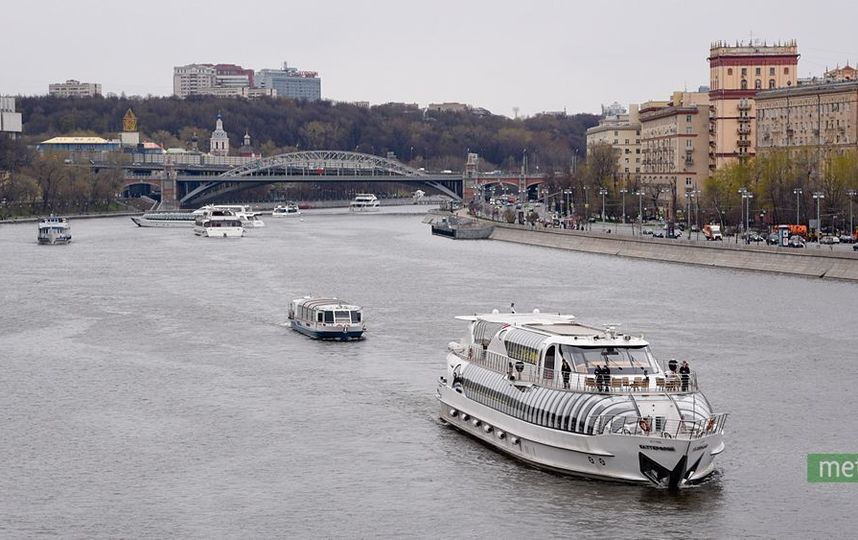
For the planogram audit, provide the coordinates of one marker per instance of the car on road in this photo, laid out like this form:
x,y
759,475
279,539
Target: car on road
x,y
795,241
658,234
855,247
773,239
828,240
846,239
647,232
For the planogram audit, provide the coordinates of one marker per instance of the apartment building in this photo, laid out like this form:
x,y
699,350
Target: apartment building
x,y
621,130
808,116
73,88
674,141
291,82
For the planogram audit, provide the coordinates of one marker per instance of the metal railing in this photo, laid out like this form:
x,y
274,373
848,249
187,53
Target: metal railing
x,y
579,382
660,427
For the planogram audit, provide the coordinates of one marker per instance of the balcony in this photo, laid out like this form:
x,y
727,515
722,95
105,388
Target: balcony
x,y
743,129
743,144
744,105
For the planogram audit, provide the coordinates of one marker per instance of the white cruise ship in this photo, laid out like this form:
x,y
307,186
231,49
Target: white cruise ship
x,y
54,230
364,202
533,386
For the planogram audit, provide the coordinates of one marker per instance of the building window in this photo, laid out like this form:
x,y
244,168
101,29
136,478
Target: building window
x,y
744,84
688,118
758,84
744,72
771,72
757,72
786,71
729,71
771,83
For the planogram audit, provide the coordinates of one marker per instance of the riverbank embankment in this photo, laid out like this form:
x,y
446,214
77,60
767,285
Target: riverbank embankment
x,y
809,262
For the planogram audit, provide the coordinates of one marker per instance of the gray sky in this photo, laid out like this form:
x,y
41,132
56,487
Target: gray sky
x,y
540,55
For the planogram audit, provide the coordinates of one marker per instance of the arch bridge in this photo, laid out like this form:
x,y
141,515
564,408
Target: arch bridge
x,y
316,166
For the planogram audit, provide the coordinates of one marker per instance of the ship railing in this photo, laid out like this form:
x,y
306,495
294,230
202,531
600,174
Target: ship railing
x,y
660,427
527,372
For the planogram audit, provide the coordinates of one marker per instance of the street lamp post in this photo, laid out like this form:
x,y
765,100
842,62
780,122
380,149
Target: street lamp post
x,y
798,193
623,192
639,193
851,194
603,192
688,196
587,205
818,195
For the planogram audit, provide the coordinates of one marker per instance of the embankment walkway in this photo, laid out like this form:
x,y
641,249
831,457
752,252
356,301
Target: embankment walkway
x,y
810,262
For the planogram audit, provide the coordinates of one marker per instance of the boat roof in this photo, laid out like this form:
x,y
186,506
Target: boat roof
x,y
325,303
563,327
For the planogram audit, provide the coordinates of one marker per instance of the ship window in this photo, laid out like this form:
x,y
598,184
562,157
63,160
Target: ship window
x,y
549,363
341,315
319,317
329,316
622,361
355,316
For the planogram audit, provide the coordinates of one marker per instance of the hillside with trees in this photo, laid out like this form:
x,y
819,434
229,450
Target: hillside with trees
x,y
437,140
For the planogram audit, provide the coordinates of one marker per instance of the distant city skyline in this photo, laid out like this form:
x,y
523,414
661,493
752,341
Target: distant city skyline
x,y
503,56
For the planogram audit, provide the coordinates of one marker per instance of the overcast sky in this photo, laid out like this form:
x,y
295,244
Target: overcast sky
x,y
537,55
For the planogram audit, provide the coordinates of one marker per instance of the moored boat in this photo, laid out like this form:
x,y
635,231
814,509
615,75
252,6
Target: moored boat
x,y
54,230
165,219
217,223
249,218
533,386
290,209
326,318
364,202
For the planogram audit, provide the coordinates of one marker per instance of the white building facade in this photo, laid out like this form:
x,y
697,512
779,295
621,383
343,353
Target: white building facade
x,y
73,88
10,121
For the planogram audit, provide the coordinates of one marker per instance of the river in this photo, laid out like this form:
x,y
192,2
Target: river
x,y
150,387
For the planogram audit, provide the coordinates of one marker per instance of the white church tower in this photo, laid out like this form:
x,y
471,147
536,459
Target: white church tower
x,y
219,144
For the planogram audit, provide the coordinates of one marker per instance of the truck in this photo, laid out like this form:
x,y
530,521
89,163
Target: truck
x,y
712,232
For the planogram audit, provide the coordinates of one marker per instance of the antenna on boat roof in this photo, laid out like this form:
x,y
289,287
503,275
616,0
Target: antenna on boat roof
x,y
512,307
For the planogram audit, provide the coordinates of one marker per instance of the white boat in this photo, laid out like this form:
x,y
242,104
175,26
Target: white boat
x,y
166,219
506,384
218,223
364,202
290,209
249,218
54,230
326,318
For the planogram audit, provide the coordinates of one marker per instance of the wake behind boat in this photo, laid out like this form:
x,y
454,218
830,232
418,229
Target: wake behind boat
x,y
54,230
533,386
326,318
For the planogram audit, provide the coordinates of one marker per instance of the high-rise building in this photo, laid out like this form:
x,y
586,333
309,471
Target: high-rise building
x,y
736,73
675,141
193,79
621,130
290,82
10,121
72,88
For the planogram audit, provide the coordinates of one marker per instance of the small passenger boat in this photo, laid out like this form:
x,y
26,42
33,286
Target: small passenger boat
x,y
326,318
54,230
290,209
533,386
217,223
364,202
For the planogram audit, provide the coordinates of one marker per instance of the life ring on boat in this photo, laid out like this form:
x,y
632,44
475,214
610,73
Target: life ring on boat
x,y
644,424
710,425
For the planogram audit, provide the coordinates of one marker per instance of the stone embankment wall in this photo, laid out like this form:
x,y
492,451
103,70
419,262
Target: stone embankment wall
x,y
811,262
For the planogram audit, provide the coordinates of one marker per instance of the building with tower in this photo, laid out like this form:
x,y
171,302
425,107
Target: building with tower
x,y
736,73
219,143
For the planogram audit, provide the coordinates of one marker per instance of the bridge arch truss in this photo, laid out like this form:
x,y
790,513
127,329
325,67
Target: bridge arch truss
x,y
315,166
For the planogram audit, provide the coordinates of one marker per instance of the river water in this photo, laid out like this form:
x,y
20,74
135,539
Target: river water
x,y
150,388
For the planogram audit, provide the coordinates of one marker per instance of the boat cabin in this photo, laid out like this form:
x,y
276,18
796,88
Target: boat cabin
x,y
327,311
